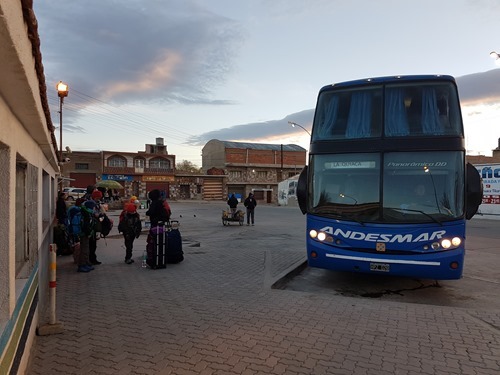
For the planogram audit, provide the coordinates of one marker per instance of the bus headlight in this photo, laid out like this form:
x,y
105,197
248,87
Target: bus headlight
x,y
446,244
456,241
320,236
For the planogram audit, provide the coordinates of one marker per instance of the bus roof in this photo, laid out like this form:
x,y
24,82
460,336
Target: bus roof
x,y
389,79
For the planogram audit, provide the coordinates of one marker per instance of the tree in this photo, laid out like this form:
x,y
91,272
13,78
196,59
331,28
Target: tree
x,y
187,166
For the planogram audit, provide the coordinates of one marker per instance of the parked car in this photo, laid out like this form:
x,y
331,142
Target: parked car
x,y
75,193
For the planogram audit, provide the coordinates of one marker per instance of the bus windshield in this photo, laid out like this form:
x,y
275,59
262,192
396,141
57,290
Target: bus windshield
x,y
390,110
417,187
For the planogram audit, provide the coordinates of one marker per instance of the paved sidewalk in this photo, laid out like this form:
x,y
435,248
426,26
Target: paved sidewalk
x,y
216,313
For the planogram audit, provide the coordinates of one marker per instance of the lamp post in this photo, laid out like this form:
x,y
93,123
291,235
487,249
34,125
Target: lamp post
x,y
294,124
62,92
494,55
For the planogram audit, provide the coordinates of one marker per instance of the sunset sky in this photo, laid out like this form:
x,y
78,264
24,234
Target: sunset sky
x,y
190,70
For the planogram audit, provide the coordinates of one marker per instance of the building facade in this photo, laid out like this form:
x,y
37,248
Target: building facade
x,y
29,177
251,167
137,172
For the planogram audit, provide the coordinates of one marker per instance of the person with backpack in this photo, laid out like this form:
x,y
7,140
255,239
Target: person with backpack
x,y
157,211
94,206
131,227
232,202
81,228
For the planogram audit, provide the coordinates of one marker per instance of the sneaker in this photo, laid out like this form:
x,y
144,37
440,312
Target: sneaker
x,y
248,223
253,224
90,267
129,261
96,263
83,269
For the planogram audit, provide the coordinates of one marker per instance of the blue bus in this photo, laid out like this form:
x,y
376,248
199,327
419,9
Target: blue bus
x,y
387,189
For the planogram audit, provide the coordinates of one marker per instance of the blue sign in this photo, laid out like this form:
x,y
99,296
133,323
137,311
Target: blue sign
x,y
117,177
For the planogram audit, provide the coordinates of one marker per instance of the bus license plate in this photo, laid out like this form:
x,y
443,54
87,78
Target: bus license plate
x,y
379,267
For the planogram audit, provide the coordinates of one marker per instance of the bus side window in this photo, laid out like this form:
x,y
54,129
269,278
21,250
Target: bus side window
x,y
360,116
414,117
430,113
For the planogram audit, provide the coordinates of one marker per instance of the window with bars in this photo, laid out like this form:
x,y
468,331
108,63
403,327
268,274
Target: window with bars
x,y
117,161
81,166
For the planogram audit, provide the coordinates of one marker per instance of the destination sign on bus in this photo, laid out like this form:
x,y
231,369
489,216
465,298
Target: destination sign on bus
x,y
350,164
417,164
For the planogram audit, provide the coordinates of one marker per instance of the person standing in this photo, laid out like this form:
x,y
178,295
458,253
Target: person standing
x,y
131,227
93,204
61,209
157,211
232,202
250,203
82,226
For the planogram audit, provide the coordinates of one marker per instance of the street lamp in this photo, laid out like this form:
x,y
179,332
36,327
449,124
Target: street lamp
x,y
294,124
62,91
494,55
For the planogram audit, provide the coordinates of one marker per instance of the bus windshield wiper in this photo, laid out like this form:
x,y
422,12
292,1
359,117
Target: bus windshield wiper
x,y
419,211
339,215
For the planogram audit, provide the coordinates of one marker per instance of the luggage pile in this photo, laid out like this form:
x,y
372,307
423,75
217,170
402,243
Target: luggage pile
x,y
164,245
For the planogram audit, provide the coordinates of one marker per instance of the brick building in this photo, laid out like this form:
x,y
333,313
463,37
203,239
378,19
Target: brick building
x,y
251,167
138,172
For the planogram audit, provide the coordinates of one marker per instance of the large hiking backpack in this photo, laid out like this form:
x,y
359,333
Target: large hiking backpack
x,y
130,224
81,222
75,222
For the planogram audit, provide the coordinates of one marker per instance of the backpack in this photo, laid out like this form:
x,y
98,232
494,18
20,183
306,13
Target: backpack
x,y
130,224
81,222
106,224
75,221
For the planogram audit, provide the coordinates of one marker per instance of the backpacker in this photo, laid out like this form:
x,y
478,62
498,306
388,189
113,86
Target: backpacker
x,y
130,224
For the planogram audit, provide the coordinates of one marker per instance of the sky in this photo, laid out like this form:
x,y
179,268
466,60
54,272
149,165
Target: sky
x,y
189,71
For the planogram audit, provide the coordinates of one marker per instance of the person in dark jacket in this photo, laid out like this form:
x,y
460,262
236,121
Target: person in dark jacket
x,y
250,203
61,210
232,203
156,211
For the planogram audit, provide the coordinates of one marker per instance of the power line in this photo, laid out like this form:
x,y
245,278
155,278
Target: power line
x,y
112,116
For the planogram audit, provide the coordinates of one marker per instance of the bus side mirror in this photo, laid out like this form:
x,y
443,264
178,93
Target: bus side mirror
x,y
474,191
302,190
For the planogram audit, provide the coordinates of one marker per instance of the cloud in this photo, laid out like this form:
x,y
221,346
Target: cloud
x,y
258,131
479,88
138,51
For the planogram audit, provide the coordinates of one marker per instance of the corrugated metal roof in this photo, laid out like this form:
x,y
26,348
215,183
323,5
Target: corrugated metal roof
x,y
262,146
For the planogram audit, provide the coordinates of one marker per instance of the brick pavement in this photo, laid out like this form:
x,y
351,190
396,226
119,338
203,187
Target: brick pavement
x,y
216,313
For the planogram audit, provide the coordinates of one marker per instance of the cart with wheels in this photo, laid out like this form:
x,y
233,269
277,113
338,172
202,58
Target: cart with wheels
x,y
229,217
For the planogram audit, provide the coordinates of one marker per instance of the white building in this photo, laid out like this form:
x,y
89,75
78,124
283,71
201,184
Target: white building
x,y
28,182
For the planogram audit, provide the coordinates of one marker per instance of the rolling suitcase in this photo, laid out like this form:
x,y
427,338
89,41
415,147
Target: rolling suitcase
x,y
156,247
173,242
